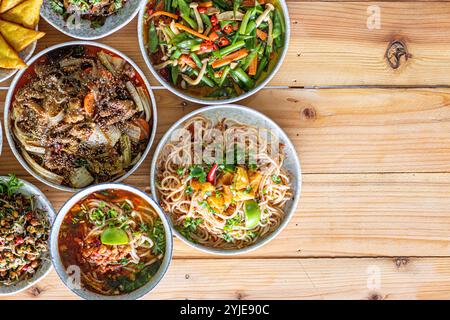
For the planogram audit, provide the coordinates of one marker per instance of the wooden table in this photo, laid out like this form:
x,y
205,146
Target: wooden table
x,y
374,143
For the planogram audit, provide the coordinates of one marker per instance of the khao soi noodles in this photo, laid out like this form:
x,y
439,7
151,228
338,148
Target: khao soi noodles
x,y
226,206
115,238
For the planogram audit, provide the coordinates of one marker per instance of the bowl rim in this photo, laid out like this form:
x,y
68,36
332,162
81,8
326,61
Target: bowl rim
x,y
107,33
288,215
185,96
25,59
12,87
56,260
51,215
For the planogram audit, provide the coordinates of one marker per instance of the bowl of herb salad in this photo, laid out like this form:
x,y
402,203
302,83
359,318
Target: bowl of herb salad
x,y
214,52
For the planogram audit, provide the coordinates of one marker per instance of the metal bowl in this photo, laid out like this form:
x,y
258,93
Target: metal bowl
x,y
84,293
210,101
41,203
25,54
10,96
84,31
254,118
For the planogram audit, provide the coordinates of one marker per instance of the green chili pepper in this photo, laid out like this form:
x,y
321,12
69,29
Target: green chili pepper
x,y
231,48
244,78
262,65
252,214
152,38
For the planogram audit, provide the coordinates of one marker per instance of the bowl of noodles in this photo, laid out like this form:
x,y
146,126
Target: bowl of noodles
x,y
111,241
228,177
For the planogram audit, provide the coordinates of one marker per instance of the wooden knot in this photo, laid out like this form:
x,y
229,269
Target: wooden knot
x,y
308,113
401,261
35,291
394,53
375,296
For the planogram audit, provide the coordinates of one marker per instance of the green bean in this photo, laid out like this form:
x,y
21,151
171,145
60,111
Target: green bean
x,y
262,65
276,32
180,37
191,22
244,78
176,54
236,5
205,19
152,38
250,27
205,79
281,19
188,44
196,59
174,3
221,4
224,75
231,48
167,5
245,20
184,8
250,57
169,32
174,74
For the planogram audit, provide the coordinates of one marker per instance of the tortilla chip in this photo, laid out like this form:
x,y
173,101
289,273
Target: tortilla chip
x,y
17,36
5,5
9,59
26,13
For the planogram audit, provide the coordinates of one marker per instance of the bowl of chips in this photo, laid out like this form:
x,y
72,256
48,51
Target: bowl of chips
x,y
18,34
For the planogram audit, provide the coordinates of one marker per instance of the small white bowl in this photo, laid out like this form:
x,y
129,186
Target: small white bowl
x,y
112,24
89,295
12,89
43,204
254,118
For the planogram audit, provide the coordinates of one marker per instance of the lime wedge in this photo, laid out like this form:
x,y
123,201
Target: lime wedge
x,y
114,236
252,214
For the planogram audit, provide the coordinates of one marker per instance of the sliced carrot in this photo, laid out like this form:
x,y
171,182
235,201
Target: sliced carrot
x,y
164,13
193,32
230,58
205,4
145,128
185,59
213,36
261,34
89,103
253,66
248,3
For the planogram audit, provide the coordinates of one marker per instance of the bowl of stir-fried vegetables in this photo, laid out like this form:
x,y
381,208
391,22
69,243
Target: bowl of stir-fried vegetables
x,y
214,52
25,219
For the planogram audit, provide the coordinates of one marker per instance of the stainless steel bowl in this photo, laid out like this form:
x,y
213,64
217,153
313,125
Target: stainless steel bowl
x,y
182,94
10,96
41,203
84,31
248,116
61,270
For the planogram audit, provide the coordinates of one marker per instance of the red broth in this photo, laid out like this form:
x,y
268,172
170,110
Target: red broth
x,y
112,269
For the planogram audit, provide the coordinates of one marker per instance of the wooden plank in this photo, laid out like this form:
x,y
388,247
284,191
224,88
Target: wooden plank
x,y
398,278
331,44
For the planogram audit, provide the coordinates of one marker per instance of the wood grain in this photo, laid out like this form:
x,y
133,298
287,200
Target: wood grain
x,y
392,278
